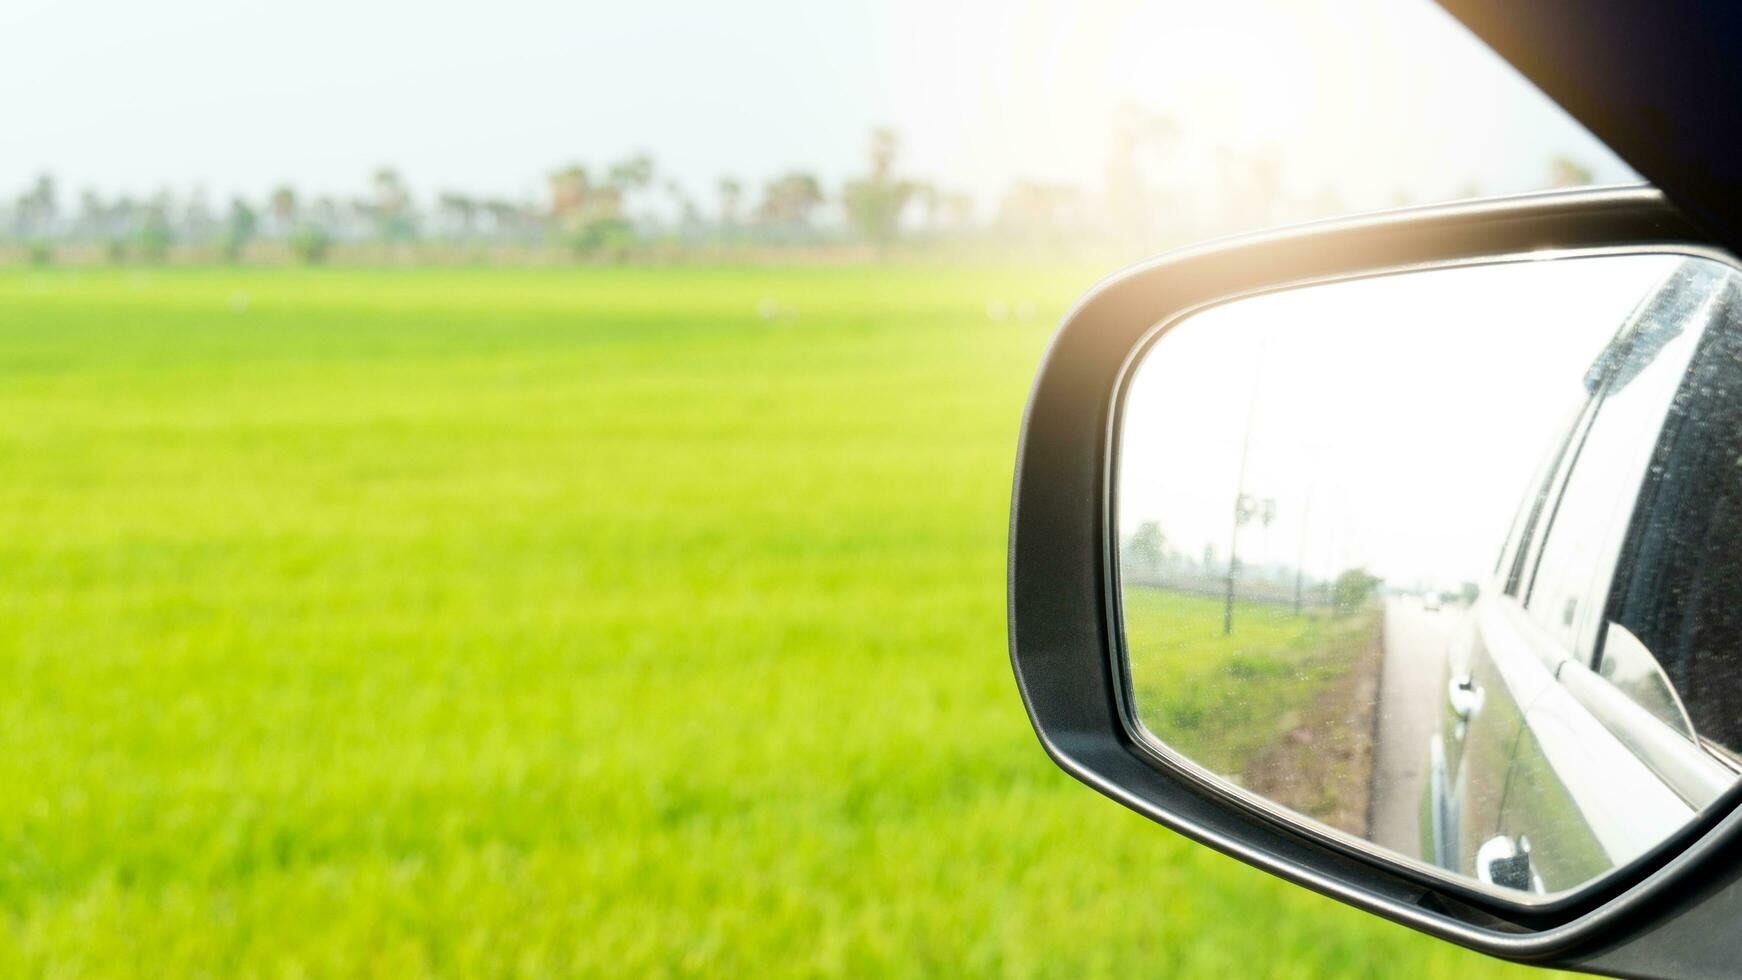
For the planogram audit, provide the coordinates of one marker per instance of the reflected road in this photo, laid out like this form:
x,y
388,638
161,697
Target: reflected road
x,y
1410,699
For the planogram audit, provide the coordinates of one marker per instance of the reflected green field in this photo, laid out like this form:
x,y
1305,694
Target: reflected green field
x,y
1221,698
555,623
1282,705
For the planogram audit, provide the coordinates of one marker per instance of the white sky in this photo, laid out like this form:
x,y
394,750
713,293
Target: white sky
x,y
1370,97
1396,421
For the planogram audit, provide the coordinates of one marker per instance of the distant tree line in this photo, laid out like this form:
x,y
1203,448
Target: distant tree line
x,y
614,212
630,209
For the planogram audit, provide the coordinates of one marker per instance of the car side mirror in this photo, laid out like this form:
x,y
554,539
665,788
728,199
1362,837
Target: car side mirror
x,y
1265,488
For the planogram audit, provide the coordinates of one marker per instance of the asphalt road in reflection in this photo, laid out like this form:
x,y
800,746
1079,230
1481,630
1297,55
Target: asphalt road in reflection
x,y
1410,700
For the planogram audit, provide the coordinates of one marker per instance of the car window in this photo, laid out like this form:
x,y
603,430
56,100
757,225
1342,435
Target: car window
x,y
1605,470
1676,590
1519,552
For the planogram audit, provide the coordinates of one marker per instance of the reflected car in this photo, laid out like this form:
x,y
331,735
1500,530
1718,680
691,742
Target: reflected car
x,y
1585,718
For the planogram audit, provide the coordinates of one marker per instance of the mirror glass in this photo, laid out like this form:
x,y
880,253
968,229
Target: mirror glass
x,y
1447,563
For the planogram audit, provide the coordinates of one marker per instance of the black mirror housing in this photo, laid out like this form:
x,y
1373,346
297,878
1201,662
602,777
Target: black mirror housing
x,y
1670,913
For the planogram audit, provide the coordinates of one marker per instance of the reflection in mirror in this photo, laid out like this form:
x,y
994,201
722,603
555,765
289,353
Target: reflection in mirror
x,y
1446,562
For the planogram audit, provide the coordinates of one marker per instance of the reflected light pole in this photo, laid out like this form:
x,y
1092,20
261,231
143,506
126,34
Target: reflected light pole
x,y
1306,511
1244,506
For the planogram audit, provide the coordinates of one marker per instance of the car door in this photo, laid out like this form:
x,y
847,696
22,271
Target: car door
x,y
1493,670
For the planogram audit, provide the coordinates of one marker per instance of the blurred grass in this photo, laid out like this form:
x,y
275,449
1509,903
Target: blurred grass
x,y
528,623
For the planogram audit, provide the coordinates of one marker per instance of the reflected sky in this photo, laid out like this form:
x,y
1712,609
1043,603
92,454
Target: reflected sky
x,y
1395,421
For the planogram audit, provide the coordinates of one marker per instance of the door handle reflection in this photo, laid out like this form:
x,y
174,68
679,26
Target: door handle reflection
x,y
1464,695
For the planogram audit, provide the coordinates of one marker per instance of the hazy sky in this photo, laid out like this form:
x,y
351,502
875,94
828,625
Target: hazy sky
x,y
1395,421
1370,97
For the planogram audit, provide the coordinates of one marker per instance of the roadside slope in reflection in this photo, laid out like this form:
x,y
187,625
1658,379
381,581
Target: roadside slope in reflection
x,y
1282,706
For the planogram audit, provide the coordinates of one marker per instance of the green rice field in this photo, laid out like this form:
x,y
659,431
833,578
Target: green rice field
x,y
557,622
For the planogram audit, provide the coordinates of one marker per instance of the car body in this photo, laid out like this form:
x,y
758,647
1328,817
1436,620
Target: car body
x,y
1563,658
